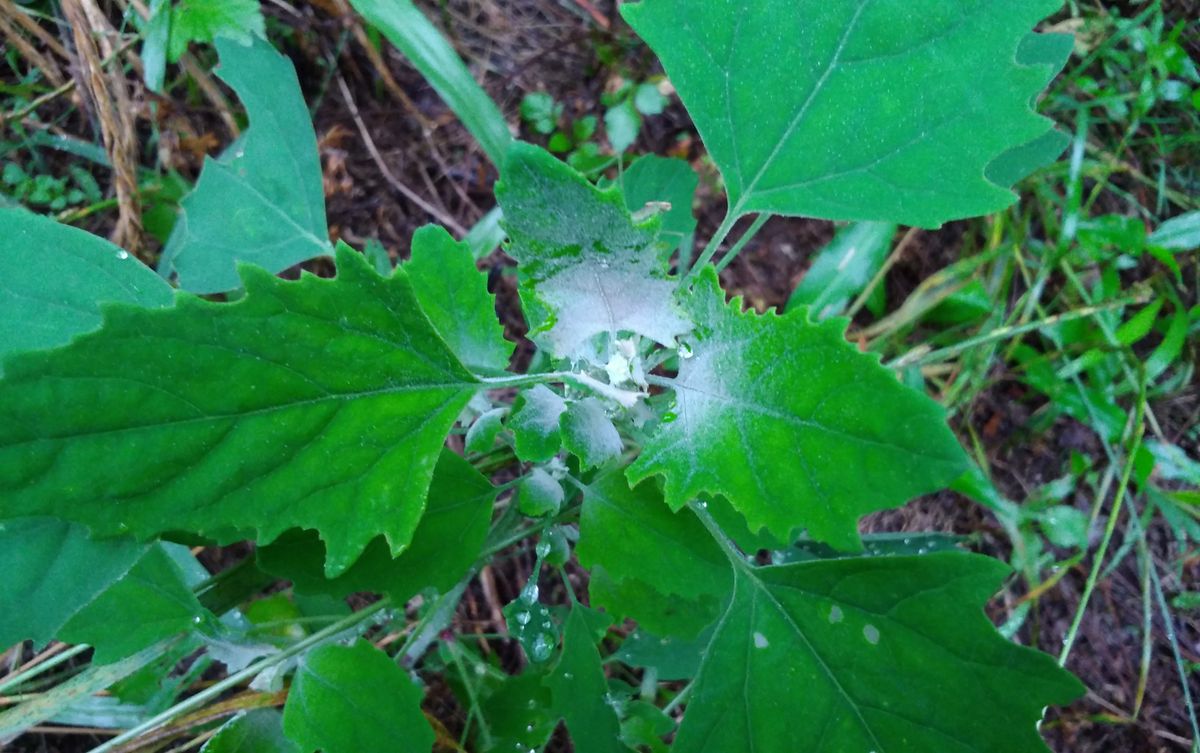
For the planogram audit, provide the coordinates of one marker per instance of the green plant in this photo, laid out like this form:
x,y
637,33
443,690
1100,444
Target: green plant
x,y
682,435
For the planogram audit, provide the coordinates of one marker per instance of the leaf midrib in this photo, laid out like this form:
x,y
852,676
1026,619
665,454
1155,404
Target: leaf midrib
x,y
452,388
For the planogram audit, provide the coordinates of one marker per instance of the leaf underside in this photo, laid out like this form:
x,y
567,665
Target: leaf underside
x,y
262,201
820,433
586,266
854,109
317,404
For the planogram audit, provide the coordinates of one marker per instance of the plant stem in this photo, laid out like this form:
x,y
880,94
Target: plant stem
x,y
625,398
714,244
198,700
746,238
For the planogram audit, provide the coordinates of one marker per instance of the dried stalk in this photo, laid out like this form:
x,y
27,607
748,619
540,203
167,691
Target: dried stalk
x,y
113,107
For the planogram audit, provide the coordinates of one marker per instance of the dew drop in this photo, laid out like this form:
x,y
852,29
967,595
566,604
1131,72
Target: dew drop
x,y
543,548
523,618
835,615
871,633
122,254
541,648
760,641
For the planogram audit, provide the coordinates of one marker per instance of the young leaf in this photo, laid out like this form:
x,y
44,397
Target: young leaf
x,y
454,295
257,731
588,433
539,494
262,201
659,179
54,277
481,437
578,690
336,398
876,111
586,266
444,546
808,415
893,654
349,699
535,424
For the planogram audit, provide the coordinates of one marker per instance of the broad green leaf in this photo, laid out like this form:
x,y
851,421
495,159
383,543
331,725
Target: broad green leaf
x,y
588,433
672,657
661,614
1017,163
53,570
853,109
784,418
892,653
115,595
431,54
454,295
843,268
54,277
632,534
205,20
335,398
258,731
350,699
1021,161
586,266
535,424
262,201
1180,233
660,179
579,689
147,604
444,547
622,124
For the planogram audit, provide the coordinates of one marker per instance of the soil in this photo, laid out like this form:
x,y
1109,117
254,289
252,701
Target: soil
x,y
518,46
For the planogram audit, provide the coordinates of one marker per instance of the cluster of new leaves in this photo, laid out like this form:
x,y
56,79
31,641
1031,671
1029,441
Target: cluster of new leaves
x,y
311,416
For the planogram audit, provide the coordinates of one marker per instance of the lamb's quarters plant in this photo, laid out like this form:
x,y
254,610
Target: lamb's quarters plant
x,y
681,434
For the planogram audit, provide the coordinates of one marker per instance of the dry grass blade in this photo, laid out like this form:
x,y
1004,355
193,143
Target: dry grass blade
x,y
111,103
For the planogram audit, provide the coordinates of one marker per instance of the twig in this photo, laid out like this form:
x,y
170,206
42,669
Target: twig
x,y
395,182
